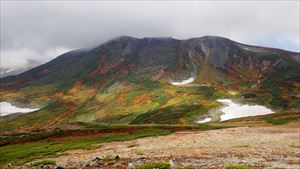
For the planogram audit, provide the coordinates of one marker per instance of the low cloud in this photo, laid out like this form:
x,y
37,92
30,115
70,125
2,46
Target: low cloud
x,y
21,58
38,30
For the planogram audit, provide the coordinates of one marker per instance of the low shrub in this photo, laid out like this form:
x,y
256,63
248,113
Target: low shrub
x,y
249,95
156,165
185,167
44,162
281,120
238,166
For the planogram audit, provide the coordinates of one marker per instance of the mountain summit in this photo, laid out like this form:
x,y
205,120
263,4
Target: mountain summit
x,y
148,80
178,59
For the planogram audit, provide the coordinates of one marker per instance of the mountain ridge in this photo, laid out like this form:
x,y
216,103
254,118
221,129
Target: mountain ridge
x,y
204,39
171,38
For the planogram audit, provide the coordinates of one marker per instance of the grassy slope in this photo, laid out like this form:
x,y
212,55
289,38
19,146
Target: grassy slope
x,y
130,103
28,151
122,103
43,145
123,97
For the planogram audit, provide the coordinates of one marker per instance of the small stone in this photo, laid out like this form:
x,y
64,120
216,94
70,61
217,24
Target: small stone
x,y
131,165
96,159
47,167
173,163
115,157
142,158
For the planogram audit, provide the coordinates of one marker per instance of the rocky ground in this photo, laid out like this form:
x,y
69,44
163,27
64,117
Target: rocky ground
x,y
259,147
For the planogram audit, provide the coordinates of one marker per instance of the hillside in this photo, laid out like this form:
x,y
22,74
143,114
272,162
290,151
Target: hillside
x,y
129,81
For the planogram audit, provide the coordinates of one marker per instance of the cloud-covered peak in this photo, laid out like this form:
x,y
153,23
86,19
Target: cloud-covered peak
x,y
34,29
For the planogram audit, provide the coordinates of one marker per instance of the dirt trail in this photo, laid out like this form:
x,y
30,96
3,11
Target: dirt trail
x,y
262,147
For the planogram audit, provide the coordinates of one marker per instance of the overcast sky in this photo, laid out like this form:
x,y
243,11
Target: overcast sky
x,y
43,30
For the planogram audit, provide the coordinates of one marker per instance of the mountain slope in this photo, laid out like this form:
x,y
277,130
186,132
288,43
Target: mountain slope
x,y
129,80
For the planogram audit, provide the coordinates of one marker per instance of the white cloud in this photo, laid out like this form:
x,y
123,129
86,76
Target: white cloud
x,y
20,58
43,26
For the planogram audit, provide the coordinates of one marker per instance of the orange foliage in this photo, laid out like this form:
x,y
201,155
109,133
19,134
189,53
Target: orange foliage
x,y
59,95
102,62
122,98
76,87
142,99
105,66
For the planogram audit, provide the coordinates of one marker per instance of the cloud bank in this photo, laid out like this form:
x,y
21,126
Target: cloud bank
x,y
43,30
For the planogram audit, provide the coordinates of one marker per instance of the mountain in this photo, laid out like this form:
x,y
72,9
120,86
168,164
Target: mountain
x,y
129,80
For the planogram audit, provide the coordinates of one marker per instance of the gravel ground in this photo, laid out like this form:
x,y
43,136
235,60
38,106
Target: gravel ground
x,y
260,147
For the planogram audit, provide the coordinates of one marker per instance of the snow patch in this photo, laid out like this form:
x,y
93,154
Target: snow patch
x,y
233,110
7,108
207,119
187,81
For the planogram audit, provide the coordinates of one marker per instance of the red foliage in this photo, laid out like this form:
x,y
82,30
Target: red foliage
x,y
102,62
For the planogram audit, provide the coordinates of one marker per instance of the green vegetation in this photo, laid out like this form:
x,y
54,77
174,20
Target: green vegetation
x,y
156,165
203,90
295,146
159,165
238,166
278,101
147,87
44,162
208,92
168,115
132,145
42,145
185,167
50,114
281,120
135,102
249,95
280,86
32,137
200,127
160,97
28,151
117,119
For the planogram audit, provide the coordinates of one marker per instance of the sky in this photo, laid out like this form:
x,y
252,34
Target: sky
x,y
43,30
